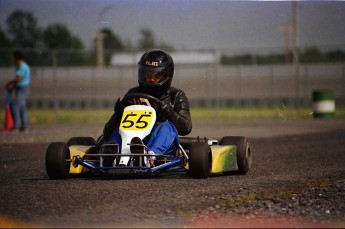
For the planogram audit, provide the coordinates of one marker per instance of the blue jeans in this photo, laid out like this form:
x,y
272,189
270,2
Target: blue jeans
x,y
20,117
163,139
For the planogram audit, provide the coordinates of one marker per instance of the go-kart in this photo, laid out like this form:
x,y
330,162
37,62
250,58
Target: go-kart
x,y
199,157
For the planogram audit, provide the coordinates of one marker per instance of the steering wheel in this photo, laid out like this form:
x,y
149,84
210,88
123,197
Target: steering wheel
x,y
132,96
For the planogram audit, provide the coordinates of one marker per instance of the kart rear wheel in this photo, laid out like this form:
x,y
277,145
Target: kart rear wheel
x,y
57,164
84,141
243,152
200,160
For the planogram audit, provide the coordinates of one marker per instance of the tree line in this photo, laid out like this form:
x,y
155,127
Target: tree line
x,y
306,55
56,45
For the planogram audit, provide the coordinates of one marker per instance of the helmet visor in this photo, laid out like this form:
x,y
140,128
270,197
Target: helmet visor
x,y
152,76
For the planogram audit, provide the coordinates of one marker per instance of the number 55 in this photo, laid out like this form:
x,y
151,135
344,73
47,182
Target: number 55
x,y
131,121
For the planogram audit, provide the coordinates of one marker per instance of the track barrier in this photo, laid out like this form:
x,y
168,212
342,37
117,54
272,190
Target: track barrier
x,y
323,104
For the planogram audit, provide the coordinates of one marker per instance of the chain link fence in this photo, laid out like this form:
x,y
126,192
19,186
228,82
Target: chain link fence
x,y
59,82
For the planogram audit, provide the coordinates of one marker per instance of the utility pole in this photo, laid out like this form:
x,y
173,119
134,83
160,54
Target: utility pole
x,y
99,49
287,30
295,27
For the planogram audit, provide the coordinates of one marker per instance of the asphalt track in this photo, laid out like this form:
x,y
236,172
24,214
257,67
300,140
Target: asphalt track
x,y
289,156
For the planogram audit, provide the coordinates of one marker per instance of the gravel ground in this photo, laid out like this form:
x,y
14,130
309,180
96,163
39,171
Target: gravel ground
x,y
311,207
297,180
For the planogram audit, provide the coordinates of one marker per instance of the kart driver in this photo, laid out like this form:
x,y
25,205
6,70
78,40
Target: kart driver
x,y
155,74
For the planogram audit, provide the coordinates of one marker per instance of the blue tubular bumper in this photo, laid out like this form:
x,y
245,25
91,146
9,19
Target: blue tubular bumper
x,y
169,165
176,165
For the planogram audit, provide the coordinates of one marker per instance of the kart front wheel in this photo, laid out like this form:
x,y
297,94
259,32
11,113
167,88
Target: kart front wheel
x,y
58,160
243,151
200,160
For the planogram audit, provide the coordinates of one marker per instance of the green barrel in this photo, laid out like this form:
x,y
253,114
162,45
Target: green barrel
x,y
323,104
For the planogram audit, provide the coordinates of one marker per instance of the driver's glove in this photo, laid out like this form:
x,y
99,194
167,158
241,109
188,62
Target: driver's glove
x,y
166,109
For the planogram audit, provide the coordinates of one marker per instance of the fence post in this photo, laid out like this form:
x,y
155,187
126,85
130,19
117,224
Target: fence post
x,y
306,85
238,85
343,76
297,89
55,85
216,78
271,86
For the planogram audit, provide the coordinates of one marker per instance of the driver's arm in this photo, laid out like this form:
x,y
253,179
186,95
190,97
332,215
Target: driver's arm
x,y
115,119
179,114
109,127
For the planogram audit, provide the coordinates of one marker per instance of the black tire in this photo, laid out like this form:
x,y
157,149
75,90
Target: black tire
x,y
57,166
84,141
243,152
200,160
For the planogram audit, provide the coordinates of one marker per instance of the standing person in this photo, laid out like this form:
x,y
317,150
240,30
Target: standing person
x,y
155,74
20,86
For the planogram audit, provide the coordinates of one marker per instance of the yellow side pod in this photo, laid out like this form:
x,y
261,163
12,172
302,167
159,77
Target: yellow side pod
x,y
78,150
224,158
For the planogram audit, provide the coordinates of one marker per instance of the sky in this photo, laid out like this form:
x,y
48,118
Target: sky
x,y
192,24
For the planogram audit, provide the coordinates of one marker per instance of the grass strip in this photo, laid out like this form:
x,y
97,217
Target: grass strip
x,y
61,116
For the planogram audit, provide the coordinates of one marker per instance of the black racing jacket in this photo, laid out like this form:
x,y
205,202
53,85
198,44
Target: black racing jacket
x,y
180,116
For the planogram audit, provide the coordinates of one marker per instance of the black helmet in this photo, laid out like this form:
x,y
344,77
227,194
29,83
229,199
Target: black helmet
x,y
155,73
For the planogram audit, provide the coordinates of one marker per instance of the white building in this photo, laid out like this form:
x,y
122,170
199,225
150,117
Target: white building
x,y
193,57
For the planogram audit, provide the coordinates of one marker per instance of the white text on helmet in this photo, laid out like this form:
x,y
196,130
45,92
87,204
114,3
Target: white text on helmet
x,y
151,63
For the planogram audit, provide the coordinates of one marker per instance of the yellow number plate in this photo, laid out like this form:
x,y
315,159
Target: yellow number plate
x,y
136,119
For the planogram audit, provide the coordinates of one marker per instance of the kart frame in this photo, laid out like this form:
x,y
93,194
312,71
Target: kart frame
x,y
166,163
199,157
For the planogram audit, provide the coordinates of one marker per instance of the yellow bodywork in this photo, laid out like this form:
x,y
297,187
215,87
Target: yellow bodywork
x,y
78,150
224,158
